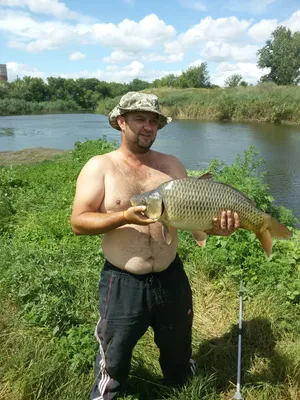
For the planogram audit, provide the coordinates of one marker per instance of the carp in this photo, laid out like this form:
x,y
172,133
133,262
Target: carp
x,y
192,203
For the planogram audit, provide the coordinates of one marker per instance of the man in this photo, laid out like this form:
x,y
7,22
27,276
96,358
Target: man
x,y
143,282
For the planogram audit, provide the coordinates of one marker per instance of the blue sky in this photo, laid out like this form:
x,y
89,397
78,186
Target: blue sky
x,y
119,40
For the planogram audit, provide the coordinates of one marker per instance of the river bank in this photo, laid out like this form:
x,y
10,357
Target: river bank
x,y
29,156
22,107
264,103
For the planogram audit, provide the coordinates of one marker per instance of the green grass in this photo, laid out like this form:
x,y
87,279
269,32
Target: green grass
x,y
22,107
266,103
49,298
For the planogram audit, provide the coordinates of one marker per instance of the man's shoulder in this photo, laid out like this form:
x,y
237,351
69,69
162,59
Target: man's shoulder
x,y
97,164
165,157
101,159
171,164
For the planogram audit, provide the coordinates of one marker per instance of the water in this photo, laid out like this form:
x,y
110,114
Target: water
x,y
195,143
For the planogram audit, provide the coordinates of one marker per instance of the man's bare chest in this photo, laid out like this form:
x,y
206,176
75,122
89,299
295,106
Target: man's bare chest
x,y
120,186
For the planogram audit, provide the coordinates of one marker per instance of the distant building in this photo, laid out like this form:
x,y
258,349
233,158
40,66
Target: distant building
x,y
3,72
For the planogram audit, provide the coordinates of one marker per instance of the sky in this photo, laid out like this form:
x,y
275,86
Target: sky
x,y
120,40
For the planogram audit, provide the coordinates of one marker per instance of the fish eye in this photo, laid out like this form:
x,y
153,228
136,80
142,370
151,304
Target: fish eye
x,y
143,201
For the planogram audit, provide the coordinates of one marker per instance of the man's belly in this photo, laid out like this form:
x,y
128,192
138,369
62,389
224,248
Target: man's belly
x,y
139,249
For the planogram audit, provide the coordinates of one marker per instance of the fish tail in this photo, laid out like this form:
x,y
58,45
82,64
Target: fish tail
x,y
277,230
272,229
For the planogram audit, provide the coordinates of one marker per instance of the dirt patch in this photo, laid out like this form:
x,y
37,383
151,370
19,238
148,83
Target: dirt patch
x,y
29,156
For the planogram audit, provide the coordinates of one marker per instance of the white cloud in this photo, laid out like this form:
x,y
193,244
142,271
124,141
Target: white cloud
x,y
196,63
174,47
217,51
119,56
112,73
49,7
193,4
15,70
33,36
77,55
174,57
127,37
293,23
170,58
221,29
131,36
153,57
249,71
209,30
261,31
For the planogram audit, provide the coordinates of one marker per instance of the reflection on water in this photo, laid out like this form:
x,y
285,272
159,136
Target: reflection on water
x,y
7,131
195,143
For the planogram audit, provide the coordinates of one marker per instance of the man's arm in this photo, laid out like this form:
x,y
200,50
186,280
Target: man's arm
x,y
175,169
90,188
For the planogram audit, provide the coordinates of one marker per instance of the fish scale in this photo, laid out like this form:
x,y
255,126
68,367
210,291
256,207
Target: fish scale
x,y
196,202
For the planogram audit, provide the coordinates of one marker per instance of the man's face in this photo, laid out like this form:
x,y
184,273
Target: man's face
x,y
139,129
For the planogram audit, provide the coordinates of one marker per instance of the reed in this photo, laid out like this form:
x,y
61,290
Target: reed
x,y
267,103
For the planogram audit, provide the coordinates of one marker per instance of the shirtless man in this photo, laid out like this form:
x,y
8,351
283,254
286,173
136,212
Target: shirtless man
x,y
143,282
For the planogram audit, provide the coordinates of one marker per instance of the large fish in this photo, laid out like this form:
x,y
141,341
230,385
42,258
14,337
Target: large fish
x,y
192,203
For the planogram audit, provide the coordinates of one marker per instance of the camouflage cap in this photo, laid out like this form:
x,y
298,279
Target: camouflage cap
x,y
136,101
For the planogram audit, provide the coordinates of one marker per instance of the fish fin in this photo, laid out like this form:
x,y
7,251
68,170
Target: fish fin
x,y
265,239
166,233
206,175
277,230
200,237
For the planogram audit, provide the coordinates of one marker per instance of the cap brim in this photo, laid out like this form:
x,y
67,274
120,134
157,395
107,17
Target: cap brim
x,y
117,111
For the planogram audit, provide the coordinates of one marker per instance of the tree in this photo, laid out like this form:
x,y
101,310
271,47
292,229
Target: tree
x,y
233,80
37,88
4,88
137,84
56,87
195,77
244,84
282,55
169,80
19,89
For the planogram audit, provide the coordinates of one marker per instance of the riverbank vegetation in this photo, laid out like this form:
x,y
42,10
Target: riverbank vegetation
x,y
49,299
266,102
22,107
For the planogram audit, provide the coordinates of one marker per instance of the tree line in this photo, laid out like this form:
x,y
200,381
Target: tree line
x,y
281,54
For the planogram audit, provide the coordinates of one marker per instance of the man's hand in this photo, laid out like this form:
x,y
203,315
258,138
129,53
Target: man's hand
x,y
226,225
134,215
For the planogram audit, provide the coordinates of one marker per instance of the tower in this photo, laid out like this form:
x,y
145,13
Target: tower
x,y
3,72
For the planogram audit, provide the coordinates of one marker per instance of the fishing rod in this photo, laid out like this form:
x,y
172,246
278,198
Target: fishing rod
x,y
238,394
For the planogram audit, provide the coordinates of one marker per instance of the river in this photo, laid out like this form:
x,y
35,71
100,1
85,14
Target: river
x,y
195,143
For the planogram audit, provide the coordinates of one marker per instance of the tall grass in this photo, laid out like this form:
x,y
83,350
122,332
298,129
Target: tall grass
x,y
22,107
262,103
49,299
